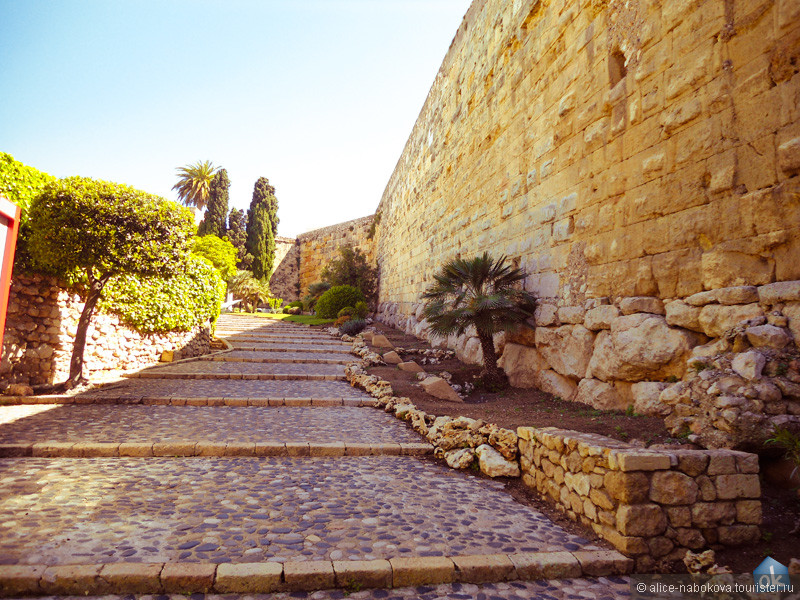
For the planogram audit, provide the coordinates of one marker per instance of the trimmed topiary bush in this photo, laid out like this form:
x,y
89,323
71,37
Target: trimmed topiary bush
x,y
337,298
352,327
361,309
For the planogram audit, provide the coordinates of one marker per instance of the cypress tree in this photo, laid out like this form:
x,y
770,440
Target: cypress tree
x,y
262,226
237,233
213,222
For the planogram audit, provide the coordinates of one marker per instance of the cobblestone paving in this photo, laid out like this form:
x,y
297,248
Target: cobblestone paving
x,y
246,368
592,588
299,357
86,511
224,388
299,347
112,423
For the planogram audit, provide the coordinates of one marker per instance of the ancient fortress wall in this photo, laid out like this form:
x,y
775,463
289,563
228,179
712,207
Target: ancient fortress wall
x,y
284,280
320,246
628,155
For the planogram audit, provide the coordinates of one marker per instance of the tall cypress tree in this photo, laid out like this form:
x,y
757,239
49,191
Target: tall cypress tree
x,y
237,235
214,221
262,226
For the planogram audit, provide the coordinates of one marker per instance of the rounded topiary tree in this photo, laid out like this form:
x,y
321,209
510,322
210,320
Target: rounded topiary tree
x,y
94,230
336,298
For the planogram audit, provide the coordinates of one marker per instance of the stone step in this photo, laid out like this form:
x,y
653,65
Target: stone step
x,y
291,348
178,400
148,424
306,576
163,374
211,368
280,359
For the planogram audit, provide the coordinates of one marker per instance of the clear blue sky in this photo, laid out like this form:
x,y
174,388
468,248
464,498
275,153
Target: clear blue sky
x,y
317,95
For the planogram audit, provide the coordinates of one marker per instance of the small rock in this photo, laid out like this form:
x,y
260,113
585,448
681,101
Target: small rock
x,y
641,304
749,364
460,459
439,388
493,464
392,358
410,367
794,566
19,389
380,341
768,336
699,562
422,375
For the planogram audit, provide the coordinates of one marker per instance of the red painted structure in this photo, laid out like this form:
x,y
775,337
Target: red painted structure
x,y
9,227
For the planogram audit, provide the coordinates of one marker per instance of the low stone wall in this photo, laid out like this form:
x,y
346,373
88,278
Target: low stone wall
x,y
650,504
40,330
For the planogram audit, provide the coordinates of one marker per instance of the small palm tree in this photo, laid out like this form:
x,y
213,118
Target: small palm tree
x,y
481,292
252,291
194,183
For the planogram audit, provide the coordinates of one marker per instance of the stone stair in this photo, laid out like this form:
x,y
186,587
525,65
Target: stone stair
x,y
245,473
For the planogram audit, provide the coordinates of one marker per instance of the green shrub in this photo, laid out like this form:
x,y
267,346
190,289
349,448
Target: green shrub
x,y
353,327
296,304
336,298
347,311
361,310
153,304
220,253
352,268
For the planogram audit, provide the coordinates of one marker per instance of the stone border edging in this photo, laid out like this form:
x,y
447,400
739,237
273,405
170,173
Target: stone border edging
x,y
190,449
250,376
265,577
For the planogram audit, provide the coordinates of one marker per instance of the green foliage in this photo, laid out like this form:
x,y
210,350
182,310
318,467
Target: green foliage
x,y
315,290
347,311
214,220
190,297
336,298
353,327
361,310
102,229
352,268
275,303
296,304
218,252
252,291
237,235
790,443
481,292
194,183
262,227
21,183
376,220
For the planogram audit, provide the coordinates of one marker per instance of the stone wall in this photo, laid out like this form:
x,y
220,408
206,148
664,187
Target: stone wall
x,y
630,156
650,504
284,282
319,247
40,330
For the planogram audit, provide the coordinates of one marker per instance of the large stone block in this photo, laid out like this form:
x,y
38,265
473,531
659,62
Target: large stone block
x,y
670,487
716,320
568,349
553,383
522,364
641,347
600,394
641,520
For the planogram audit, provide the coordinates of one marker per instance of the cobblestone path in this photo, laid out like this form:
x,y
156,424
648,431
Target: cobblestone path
x,y
335,485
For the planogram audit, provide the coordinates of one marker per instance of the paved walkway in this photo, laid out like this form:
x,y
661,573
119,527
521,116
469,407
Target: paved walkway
x,y
158,470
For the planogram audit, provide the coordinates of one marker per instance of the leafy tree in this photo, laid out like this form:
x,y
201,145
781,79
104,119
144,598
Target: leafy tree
x,y
337,298
214,220
262,227
352,268
237,235
194,183
483,293
250,290
98,230
218,252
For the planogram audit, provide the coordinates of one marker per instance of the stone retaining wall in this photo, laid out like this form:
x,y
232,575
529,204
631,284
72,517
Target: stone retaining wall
x,y
319,247
650,504
40,330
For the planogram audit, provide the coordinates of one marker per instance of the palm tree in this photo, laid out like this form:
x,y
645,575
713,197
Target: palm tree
x,y
252,291
194,183
481,292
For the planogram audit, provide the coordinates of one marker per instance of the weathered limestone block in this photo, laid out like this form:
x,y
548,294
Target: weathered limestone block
x,y
568,349
600,317
768,336
381,341
716,319
493,464
629,488
410,367
792,312
641,520
646,398
556,384
571,314
680,314
546,315
392,358
670,487
641,304
749,364
470,351
460,459
600,394
782,291
522,364
722,268
641,347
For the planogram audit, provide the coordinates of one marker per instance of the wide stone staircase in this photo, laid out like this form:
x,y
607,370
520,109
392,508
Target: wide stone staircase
x,y
259,469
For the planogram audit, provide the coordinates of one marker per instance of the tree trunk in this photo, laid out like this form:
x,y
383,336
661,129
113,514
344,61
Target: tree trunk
x,y
76,362
494,377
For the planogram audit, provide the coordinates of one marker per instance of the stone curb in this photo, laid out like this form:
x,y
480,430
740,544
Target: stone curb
x,y
313,350
304,361
183,401
266,577
249,376
190,449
